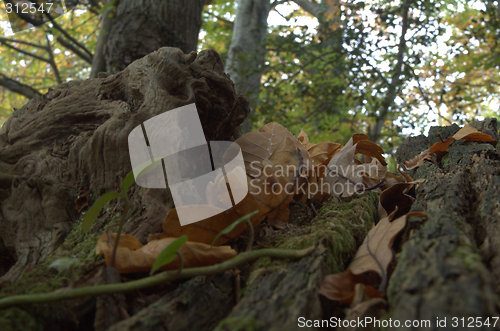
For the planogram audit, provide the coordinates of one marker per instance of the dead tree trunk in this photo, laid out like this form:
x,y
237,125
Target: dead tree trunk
x,y
136,28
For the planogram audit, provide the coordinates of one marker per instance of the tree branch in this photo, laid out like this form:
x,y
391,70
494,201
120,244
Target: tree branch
x,y
74,49
161,278
18,87
38,57
9,40
228,22
35,22
67,35
424,95
52,61
311,7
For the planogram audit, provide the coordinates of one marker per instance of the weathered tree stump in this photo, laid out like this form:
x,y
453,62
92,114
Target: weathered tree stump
x,y
73,141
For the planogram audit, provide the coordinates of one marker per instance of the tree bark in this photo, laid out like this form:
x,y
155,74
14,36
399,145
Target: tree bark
x,y
141,27
449,265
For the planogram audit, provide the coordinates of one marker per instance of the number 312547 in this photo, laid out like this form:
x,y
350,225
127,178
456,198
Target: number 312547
x,y
28,7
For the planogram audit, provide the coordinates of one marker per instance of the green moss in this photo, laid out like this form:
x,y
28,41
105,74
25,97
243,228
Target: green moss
x,y
41,278
240,323
14,319
340,225
471,259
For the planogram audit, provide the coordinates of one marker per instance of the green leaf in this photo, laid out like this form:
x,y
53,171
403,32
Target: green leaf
x,y
62,264
92,213
168,254
127,182
233,225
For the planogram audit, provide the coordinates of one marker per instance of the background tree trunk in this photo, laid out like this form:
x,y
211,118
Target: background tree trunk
x,y
247,50
137,28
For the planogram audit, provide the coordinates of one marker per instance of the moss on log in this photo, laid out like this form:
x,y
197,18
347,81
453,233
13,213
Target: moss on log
x,y
450,265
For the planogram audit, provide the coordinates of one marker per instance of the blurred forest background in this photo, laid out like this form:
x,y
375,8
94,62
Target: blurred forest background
x,y
332,68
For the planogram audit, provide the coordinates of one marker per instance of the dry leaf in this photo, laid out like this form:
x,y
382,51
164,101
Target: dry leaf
x,y
441,146
303,138
375,253
347,176
373,257
405,175
418,160
370,149
132,256
321,153
396,197
338,287
472,134
392,179
375,308
273,158
468,133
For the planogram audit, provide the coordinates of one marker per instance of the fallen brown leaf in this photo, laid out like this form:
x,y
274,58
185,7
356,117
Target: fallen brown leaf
x,y
132,256
396,197
468,133
392,179
472,134
375,253
418,160
376,308
321,153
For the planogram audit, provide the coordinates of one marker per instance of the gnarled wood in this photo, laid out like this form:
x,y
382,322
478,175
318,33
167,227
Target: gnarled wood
x,y
76,136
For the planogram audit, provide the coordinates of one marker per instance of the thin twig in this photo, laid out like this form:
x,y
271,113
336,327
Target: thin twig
x,y
52,61
67,35
38,57
160,278
74,49
424,95
2,39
